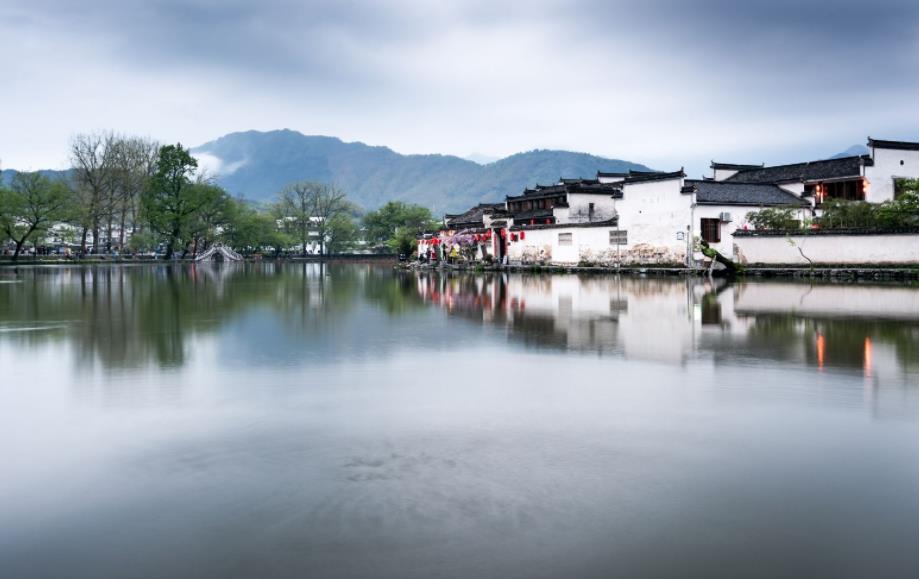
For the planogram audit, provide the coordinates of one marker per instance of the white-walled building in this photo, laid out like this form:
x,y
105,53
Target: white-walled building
x,y
654,218
722,207
640,217
874,177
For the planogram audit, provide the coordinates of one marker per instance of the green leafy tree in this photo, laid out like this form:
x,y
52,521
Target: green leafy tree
x,y
901,213
31,206
215,211
840,214
774,219
395,223
250,230
403,241
171,200
342,234
143,241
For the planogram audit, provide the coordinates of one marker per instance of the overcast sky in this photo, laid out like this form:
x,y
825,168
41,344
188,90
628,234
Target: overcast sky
x,y
662,82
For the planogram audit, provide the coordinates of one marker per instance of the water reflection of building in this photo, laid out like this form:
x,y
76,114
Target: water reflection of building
x,y
871,329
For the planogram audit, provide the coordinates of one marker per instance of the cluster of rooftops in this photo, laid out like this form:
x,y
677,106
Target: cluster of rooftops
x,y
746,184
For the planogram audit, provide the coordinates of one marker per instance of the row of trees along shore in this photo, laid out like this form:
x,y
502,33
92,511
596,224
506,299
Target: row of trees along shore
x,y
132,195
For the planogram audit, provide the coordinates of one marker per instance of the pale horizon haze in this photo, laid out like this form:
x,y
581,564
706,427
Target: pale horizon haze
x,y
657,82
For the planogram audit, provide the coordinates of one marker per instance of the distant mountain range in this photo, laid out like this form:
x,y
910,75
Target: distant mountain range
x,y
851,152
259,164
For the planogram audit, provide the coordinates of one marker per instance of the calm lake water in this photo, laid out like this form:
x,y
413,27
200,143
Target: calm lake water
x,y
293,421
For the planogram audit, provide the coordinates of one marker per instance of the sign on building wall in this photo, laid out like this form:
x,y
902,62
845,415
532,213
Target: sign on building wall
x,y
619,237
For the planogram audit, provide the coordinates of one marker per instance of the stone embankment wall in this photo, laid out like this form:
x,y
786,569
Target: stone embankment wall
x,y
569,246
827,248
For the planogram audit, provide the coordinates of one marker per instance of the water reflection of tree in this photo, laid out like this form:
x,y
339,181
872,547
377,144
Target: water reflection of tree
x,y
833,341
394,294
124,317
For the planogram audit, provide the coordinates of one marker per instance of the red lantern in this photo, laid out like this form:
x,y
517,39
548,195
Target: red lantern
x,y
523,235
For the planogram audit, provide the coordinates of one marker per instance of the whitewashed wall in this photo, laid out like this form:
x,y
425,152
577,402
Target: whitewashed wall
x,y
610,179
541,246
722,174
579,208
886,167
828,249
653,213
796,188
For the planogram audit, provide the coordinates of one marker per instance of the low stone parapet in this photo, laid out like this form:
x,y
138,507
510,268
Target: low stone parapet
x,y
827,247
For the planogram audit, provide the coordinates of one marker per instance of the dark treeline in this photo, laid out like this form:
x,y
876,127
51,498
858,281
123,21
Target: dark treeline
x,y
131,195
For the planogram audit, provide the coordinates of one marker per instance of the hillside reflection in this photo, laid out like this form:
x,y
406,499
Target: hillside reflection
x,y
873,329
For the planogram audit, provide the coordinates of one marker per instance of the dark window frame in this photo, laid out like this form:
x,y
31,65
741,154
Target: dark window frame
x,y
710,229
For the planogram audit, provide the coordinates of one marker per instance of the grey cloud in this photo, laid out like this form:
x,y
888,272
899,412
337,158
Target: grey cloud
x,y
759,42
840,68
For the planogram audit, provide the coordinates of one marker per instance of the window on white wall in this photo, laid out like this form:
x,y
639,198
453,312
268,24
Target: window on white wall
x,y
711,230
565,238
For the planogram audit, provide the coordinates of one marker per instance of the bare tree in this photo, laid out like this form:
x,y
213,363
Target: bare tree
x,y
311,209
92,158
133,165
110,172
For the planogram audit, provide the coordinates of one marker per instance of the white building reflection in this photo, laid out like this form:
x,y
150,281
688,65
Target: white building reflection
x,y
872,329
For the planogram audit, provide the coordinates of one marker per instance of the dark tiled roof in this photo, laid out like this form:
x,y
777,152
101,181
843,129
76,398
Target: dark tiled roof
x,y
534,214
583,186
810,171
529,194
577,181
608,189
734,166
526,226
606,174
474,216
732,193
645,176
901,145
545,189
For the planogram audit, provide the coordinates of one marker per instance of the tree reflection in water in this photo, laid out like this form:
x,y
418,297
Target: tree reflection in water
x,y
129,316
132,316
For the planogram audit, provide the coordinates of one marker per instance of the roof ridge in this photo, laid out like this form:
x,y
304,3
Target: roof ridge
x,y
804,163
